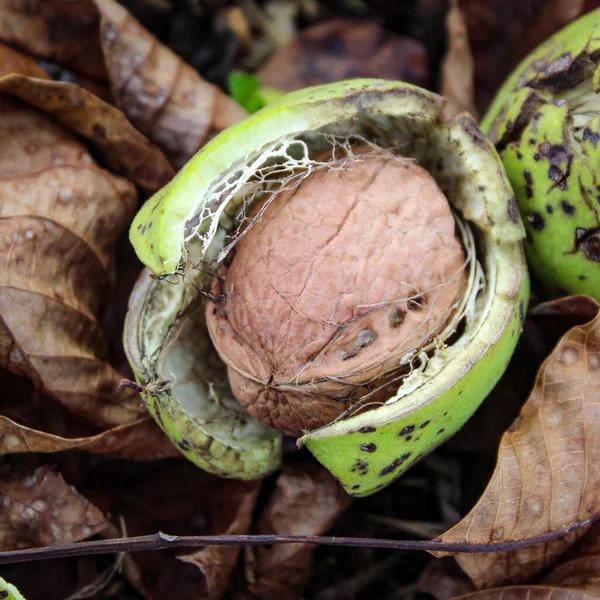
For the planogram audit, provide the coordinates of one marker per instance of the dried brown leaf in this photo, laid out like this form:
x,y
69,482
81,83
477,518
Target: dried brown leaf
x,y
12,61
443,580
59,30
141,440
40,509
306,501
581,570
124,149
502,32
60,215
530,592
343,49
162,96
33,422
217,562
177,498
580,573
547,475
458,66
564,313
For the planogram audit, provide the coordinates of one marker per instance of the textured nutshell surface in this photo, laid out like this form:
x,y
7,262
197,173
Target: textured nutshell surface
x,y
339,279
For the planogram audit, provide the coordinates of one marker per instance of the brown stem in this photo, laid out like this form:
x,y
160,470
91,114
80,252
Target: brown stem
x,y
161,541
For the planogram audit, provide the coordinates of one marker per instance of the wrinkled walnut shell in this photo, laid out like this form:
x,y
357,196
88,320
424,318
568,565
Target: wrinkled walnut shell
x,y
333,284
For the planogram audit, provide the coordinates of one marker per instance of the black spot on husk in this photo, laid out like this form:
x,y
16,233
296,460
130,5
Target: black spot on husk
x,y
588,242
394,464
368,447
537,221
567,207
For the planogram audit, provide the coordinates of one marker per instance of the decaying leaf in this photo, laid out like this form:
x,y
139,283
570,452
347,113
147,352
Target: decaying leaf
x,y
59,30
124,149
161,95
177,498
502,32
217,562
562,314
443,580
530,592
581,570
141,440
30,421
457,66
40,509
61,215
547,475
579,573
306,501
12,61
342,49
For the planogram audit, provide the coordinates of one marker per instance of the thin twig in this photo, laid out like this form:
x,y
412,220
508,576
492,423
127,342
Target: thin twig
x,y
160,541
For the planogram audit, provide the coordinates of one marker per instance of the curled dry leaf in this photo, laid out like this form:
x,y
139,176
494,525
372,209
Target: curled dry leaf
x,y
306,501
60,215
141,440
12,61
40,509
124,149
569,580
127,151
457,66
561,314
30,421
547,475
343,49
59,30
161,95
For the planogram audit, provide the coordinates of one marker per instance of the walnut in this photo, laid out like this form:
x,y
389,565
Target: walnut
x,y
346,309
336,282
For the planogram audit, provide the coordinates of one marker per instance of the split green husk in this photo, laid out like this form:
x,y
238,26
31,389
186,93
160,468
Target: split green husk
x,y
187,228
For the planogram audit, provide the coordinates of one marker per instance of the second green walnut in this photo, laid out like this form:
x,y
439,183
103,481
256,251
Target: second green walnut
x,y
344,267
545,122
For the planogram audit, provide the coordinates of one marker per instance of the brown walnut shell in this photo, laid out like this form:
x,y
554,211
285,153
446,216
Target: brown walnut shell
x,y
336,282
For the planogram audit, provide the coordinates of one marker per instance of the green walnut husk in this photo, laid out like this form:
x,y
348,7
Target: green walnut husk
x,y
545,122
9,591
187,228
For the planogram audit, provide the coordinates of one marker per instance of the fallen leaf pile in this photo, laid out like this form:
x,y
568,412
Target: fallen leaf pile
x,y
72,168
97,113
